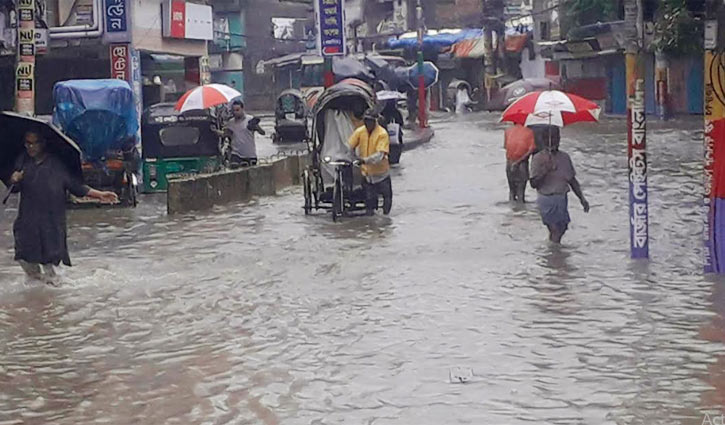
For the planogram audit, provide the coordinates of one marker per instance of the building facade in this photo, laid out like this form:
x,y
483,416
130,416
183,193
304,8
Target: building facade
x,y
159,46
589,60
271,29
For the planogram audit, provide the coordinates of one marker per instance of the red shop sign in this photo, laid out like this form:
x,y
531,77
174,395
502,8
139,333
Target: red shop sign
x,y
120,62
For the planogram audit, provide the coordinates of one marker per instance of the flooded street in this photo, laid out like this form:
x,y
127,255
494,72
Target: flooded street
x,y
256,314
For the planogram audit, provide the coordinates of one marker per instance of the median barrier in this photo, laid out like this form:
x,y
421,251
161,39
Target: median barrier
x,y
204,191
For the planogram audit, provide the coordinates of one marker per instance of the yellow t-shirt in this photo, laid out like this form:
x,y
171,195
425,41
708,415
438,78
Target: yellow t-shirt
x,y
369,143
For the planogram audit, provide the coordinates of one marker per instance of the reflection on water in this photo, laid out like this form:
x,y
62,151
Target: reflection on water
x,y
258,314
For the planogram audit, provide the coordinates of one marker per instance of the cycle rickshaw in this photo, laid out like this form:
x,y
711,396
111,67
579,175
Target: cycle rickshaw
x,y
332,181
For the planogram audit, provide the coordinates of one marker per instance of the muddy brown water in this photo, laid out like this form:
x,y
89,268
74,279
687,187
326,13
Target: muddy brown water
x,y
256,314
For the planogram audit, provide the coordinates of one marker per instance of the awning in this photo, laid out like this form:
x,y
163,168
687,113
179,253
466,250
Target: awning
x,y
292,59
476,48
515,43
312,60
435,39
585,55
580,49
473,49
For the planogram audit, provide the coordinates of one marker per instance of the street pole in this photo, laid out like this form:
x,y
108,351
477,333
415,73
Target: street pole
x,y
422,104
636,133
329,72
25,66
714,135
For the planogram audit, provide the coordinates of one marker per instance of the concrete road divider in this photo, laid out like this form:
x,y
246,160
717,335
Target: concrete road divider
x,y
204,191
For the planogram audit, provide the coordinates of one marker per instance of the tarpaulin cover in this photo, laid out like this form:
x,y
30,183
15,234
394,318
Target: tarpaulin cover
x,y
472,48
99,115
439,40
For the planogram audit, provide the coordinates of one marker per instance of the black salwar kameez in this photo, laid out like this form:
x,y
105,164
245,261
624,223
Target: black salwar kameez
x,y
40,229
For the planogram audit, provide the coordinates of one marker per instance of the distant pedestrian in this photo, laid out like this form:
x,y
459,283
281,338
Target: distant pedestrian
x,y
40,228
241,129
552,174
519,145
372,143
412,103
392,120
463,100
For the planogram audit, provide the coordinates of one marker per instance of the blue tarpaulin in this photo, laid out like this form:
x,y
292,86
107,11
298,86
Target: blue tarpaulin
x,y
99,115
439,40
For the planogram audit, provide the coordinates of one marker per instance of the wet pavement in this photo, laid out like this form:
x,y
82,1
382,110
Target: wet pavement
x,y
256,314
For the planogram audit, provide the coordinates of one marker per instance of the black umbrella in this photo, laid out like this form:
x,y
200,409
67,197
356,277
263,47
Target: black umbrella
x,y
12,131
349,67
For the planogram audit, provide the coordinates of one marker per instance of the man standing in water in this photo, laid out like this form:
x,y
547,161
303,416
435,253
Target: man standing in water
x,y
241,130
40,229
552,174
373,145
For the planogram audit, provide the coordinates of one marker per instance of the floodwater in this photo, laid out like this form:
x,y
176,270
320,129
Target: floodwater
x,y
256,314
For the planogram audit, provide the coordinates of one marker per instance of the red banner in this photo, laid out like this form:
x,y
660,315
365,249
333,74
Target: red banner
x,y
120,62
178,19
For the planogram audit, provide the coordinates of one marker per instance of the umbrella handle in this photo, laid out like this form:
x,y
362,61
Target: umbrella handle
x,y
8,193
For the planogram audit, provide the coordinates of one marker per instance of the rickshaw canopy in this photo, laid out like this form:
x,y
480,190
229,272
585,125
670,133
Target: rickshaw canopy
x,y
99,115
335,115
168,133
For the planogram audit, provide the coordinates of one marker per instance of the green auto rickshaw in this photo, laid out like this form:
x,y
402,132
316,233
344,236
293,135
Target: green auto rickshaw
x,y
177,144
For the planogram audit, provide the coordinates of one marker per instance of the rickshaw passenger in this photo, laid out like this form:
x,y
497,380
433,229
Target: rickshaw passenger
x,y
241,129
373,146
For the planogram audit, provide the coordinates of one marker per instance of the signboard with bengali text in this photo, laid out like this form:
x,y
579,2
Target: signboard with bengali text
x,y
330,16
120,62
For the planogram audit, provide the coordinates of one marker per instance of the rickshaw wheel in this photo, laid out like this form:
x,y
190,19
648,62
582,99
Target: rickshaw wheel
x,y
319,187
307,186
337,200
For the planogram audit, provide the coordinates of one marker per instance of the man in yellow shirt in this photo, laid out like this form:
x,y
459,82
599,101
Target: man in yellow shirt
x,y
372,144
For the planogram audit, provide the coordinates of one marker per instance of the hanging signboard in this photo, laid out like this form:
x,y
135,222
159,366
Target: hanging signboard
x,y
120,66
116,11
187,20
330,18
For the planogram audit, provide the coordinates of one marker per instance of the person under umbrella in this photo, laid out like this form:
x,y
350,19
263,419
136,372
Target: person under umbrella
x,y
40,230
552,175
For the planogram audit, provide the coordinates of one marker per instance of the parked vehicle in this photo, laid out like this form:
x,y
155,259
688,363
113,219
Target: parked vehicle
x,y
177,144
290,125
100,116
332,182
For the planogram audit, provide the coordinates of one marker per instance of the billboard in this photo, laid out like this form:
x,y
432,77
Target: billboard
x,y
187,20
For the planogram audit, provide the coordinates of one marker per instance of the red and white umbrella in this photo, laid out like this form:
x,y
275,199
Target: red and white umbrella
x,y
207,96
551,107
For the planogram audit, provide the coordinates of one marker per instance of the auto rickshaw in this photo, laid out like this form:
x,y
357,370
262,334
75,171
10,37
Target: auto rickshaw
x,y
290,118
100,116
177,144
